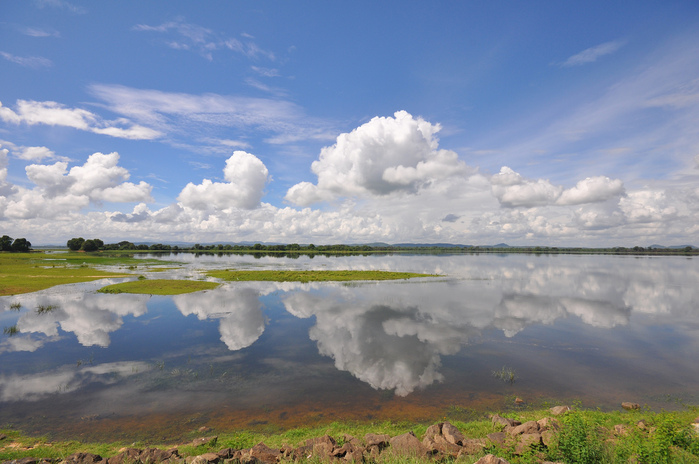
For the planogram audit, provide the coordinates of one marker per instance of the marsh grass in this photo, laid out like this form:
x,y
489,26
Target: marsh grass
x,y
506,374
16,306
10,331
159,287
311,276
44,309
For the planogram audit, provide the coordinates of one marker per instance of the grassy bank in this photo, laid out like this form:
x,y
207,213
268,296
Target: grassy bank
x,y
583,437
311,276
31,272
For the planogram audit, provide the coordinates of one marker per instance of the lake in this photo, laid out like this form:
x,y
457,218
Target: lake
x,y
593,330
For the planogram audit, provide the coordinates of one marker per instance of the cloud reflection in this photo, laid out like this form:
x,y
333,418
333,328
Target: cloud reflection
x,y
241,321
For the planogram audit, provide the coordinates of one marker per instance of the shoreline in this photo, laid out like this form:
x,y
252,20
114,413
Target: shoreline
x,y
525,436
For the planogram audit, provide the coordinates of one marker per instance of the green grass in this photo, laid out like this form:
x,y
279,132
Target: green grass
x,y
159,287
31,272
584,437
311,276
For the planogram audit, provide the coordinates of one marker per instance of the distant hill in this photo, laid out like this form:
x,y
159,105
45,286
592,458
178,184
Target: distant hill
x,y
429,245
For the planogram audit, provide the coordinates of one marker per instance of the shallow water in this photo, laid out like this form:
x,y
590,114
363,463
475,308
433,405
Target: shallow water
x,y
595,329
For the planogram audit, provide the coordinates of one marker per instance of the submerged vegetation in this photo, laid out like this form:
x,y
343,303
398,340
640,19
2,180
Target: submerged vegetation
x,y
506,374
160,287
311,276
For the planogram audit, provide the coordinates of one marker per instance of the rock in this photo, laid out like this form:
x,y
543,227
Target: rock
x,y
527,427
519,400
321,446
452,434
205,441
408,445
155,455
558,410
491,459
381,440
263,453
226,453
82,458
497,437
2,436
630,406
526,442
126,456
206,458
642,424
204,429
498,420
621,429
433,430
548,423
548,437
473,445
439,444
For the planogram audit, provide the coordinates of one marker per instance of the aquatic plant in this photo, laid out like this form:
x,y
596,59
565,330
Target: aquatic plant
x,y
506,374
16,306
10,331
43,309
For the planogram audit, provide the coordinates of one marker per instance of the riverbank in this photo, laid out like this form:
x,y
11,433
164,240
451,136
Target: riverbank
x,y
558,434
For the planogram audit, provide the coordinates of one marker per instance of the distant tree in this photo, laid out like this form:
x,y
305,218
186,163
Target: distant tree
x,y
5,243
98,242
142,246
21,245
126,245
90,245
75,243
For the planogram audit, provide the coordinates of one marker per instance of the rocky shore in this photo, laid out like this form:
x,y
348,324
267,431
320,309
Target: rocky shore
x,y
441,442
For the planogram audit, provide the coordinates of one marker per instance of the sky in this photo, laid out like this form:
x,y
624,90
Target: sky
x,y
467,122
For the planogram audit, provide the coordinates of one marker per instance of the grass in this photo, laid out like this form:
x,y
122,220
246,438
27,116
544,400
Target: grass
x,y
311,276
159,287
506,374
584,437
31,272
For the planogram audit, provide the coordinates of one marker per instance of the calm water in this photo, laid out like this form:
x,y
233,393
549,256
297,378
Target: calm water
x,y
595,329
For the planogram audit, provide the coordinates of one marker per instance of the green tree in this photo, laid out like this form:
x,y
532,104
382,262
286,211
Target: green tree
x,y
75,243
5,243
90,245
21,245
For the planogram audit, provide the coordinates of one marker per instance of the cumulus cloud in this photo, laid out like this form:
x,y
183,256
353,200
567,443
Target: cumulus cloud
x,y
383,156
55,114
59,190
513,190
246,176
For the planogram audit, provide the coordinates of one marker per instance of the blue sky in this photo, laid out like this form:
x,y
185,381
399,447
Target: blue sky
x,y
547,123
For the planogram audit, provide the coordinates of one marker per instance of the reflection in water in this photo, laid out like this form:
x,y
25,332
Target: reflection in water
x,y
624,324
90,316
238,309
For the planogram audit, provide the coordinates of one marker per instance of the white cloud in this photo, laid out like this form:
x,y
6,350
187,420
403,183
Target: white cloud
x,y
383,156
513,190
35,153
55,114
246,176
59,191
590,55
188,36
35,62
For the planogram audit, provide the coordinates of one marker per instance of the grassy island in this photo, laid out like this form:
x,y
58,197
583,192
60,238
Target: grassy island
x,y
311,276
159,287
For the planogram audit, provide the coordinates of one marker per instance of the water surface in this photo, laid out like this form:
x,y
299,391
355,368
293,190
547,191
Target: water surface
x,y
595,329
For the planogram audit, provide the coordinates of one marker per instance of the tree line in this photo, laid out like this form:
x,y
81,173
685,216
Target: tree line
x,y
18,245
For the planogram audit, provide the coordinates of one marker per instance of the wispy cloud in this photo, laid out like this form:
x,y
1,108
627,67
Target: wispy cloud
x,y
37,32
62,5
34,62
54,114
180,114
187,36
590,55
